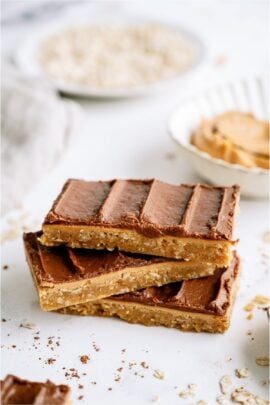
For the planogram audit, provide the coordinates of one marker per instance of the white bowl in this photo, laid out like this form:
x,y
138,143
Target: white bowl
x,y
247,96
26,58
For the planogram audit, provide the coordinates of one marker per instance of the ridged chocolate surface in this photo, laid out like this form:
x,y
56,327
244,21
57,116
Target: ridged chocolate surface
x,y
208,294
60,264
151,207
14,390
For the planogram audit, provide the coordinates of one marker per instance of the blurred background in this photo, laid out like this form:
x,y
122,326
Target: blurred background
x,y
54,128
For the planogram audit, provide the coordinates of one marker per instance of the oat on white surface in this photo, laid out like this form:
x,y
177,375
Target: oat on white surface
x,y
242,372
225,384
243,396
221,399
28,325
262,361
110,56
159,374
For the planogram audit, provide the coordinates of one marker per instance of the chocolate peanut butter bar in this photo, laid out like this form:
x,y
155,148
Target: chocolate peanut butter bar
x,y
64,276
201,305
189,222
14,390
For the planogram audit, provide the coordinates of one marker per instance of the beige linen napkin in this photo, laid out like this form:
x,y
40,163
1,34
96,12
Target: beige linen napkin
x,y
36,125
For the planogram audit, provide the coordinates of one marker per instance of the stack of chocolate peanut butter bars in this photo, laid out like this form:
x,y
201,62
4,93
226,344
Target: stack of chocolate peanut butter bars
x,y
142,250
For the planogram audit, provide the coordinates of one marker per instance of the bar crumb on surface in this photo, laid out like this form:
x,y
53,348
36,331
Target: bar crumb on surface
x,y
159,374
225,384
262,361
242,372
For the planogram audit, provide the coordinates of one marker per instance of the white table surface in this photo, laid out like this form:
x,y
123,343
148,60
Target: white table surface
x,y
128,138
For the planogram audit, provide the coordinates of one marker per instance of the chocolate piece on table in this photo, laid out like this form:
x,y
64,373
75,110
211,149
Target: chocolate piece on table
x,y
201,305
14,390
65,276
190,222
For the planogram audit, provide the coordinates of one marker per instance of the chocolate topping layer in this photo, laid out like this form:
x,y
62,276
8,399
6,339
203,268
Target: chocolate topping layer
x,y
208,294
151,207
17,391
61,264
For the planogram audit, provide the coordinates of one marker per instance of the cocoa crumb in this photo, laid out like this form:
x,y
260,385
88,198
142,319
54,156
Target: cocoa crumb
x,y
13,346
110,388
4,320
5,267
94,382
144,365
27,325
50,360
84,359
80,397
120,369
80,386
95,347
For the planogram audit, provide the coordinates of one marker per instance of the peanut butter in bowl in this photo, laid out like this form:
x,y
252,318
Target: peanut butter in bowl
x,y
235,137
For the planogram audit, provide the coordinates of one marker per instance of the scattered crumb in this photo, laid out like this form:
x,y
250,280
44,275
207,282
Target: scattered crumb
x,y
192,388
3,320
225,383
266,237
262,361
156,398
267,310
257,302
144,365
263,383
27,325
249,307
261,300
170,156
84,359
14,346
183,394
242,372
93,382
242,396
95,347
80,386
159,374
120,369
123,351
50,360
5,267
80,397
221,399
201,402
110,388
190,392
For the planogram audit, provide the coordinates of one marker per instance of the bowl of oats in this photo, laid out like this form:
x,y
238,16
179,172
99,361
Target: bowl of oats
x,y
111,58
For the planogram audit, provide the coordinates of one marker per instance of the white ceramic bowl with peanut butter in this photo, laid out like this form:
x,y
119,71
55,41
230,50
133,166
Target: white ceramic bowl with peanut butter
x,y
224,133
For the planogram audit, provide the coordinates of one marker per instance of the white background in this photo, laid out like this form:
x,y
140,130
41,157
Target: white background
x,y
128,138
